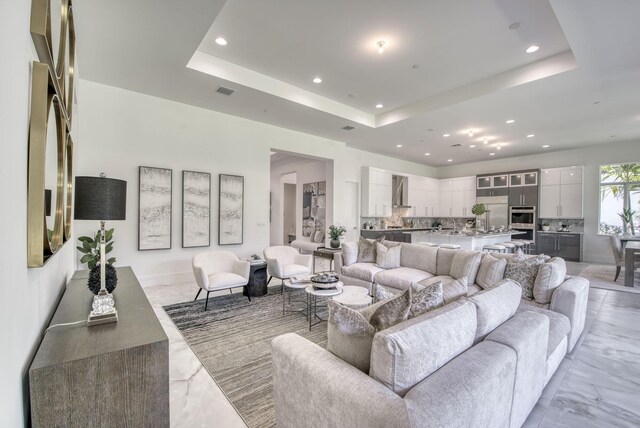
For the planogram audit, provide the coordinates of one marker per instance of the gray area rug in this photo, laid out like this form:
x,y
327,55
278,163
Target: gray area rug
x,y
600,276
232,340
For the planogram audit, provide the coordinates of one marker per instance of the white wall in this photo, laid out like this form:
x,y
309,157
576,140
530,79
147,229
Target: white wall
x,y
122,130
28,296
595,248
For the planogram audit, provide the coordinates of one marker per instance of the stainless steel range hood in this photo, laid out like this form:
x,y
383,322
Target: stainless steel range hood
x,y
400,188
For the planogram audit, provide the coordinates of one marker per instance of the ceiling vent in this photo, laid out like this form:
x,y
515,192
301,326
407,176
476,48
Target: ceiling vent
x,y
348,127
456,145
225,91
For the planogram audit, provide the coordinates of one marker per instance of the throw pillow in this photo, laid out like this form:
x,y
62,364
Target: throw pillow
x,y
381,293
425,298
349,335
367,250
387,257
523,270
491,271
392,311
466,263
349,253
455,290
550,275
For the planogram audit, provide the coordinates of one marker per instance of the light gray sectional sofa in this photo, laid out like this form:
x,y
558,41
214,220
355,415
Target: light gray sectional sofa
x,y
480,360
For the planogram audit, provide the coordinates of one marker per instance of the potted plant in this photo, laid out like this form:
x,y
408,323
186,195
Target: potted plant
x,y
478,210
90,247
545,226
627,215
336,232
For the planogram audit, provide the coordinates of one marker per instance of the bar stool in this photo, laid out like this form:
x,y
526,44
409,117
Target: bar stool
x,y
450,246
525,245
510,248
519,245
528,245
494,248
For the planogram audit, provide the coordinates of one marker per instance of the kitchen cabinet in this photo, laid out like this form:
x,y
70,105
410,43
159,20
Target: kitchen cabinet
x,y
561,193
523,196
526,178
424,196
566,245
376,192
492,185
457,197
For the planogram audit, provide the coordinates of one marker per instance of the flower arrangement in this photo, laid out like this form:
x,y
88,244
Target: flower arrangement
x,y
336,232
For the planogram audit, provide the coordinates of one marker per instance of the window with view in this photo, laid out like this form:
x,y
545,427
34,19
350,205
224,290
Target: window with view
x,y
620,199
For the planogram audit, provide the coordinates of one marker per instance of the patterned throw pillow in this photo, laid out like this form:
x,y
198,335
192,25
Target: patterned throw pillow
x,y
491,271
349,335
426,298
381,293
367,250
523,270
387,257
392,311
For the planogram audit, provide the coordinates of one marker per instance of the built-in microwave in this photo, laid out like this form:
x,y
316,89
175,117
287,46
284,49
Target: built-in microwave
x,y
522,217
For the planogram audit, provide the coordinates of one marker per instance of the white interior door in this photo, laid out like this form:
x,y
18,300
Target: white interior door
x,y
351,210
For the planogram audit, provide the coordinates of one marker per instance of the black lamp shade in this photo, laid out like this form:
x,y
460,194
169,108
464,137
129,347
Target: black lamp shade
x,y
98,198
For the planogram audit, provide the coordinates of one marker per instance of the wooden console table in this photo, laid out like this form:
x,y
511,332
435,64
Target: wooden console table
x,y
106,375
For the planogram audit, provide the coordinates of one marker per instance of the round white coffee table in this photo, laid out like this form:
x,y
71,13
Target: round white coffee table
x,y
312,300
353,296
287,287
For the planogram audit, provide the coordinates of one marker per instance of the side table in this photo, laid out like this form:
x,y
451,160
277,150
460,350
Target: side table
x,y
325,253
257,285
354,297
312,300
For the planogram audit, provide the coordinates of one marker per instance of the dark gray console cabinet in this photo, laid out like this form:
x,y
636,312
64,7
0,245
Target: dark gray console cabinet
x,y
108,375
566,245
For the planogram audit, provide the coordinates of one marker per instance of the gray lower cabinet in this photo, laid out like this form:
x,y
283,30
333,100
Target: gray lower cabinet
x,y
565,245
107,375
388,235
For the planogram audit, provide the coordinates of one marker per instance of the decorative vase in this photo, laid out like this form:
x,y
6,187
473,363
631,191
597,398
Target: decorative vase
x,y
545,228
111,279
334,243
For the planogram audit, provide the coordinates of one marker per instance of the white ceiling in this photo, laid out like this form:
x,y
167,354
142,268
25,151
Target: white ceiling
x,y
471,72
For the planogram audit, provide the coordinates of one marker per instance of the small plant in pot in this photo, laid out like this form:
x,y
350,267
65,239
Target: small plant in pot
x,y
336,232
90,247
545,227
478,210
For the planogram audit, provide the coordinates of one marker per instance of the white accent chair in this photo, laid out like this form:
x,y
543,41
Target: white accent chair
x,y
219,270
284,262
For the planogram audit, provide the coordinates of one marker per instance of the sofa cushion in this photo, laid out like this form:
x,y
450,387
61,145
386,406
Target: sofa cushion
x,y
392,311
473,289
533,303
453,289
387,257
425,298
495,306
349,335
444,261
523,270
405,354
559,326
466,263
367,250
419,257
362,271
550,275
349,253
491,271
401,278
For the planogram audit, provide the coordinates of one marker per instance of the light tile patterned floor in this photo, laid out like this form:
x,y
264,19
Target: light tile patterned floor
x,y
597,385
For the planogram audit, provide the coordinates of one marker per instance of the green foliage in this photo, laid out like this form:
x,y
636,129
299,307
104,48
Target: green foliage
x,y
623,173
90,247
335,232
479,209
610,229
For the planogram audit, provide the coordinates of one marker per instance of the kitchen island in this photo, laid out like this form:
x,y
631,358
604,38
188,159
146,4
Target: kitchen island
x,y
467,242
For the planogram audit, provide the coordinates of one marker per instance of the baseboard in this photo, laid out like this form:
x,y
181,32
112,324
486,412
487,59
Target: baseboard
x,y
166,279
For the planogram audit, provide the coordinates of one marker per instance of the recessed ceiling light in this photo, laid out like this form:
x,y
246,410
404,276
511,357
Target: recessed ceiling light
x,y
381,44
379,106
532,49
398,145
221,41
449,160
446,135
317,80
545,146
498,148
492,154
472,146
510,121
531,135
427,154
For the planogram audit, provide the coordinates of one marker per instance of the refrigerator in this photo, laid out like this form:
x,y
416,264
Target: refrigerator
x,y
497,211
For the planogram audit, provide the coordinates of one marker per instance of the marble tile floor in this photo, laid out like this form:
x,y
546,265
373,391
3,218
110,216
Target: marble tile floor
x,y
597,385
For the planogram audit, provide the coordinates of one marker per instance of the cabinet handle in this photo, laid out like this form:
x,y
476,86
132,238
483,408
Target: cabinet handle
x,y
560,210
524,199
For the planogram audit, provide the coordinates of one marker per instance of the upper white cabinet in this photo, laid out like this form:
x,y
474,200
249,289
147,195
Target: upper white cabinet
x,y
561,193
424,196
457,197
376,192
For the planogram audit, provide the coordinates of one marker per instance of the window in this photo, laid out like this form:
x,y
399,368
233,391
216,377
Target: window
x,y
620,198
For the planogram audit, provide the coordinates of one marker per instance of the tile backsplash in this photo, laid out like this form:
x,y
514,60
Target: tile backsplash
x,y
575,225
417,222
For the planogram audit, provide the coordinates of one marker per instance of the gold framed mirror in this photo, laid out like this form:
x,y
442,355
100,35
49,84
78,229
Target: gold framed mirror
x,y
68,212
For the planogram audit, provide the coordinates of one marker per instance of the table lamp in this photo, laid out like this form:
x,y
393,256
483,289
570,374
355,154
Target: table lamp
x,y
101,198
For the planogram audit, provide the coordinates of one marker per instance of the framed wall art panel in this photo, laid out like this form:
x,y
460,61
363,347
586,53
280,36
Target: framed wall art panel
x,y
231,207
154,218
196,209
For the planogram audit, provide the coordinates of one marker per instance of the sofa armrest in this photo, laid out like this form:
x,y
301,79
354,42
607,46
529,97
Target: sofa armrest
x,y
201,277
304,260
274,268
242,268
570,299
313,387
337,263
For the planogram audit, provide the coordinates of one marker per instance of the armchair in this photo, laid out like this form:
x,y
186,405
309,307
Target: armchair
x,y
284,262
219,270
